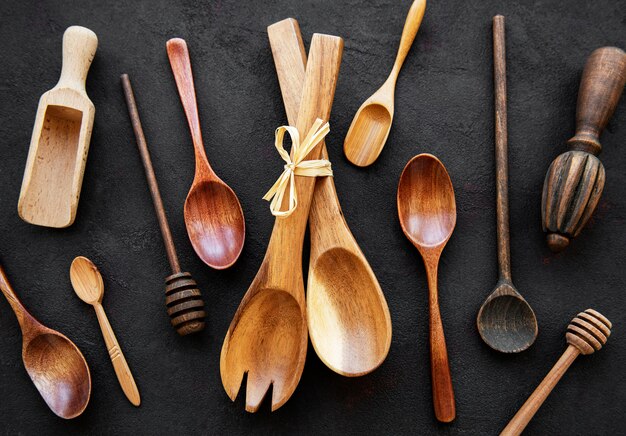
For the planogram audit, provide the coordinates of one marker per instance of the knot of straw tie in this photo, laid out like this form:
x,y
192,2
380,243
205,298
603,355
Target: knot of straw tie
x,y
297,166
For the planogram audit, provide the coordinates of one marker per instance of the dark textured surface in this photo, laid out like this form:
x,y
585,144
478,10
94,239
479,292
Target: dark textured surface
x,y
443,106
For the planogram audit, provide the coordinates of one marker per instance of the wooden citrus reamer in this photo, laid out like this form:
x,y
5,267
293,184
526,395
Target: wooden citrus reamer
x,y
267,338
575,179
60,140
587,333
182,296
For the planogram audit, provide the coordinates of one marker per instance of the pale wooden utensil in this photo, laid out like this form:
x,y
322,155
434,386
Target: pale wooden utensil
x,y
60,141
371,124
267,338
213,214
505,321
55,365
587,333
427,212
88,285
348,317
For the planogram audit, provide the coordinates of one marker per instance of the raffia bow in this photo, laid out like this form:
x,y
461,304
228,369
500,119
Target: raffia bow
x,y
298,166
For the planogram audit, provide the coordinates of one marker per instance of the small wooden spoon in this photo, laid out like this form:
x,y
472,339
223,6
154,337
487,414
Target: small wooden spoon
x,y
348,317
55,365
427,212
89,287
505,321
267,338
213,215
371,124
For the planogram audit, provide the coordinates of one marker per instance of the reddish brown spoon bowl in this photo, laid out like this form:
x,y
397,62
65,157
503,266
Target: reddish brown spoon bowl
x,y
213,215
55,365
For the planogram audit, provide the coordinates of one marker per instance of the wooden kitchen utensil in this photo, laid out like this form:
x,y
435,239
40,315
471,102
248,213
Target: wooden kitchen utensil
x,y
183,298
587,333
371,124
88,285
348,317
506,322
427,212
575,179
267,338
55,365
60,140
213,215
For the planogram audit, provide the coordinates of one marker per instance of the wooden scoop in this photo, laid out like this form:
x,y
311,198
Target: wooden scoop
x,y
587,333
267,338
427,212
371,124
89,287
60,140
505,321
55,365
348,317
213,215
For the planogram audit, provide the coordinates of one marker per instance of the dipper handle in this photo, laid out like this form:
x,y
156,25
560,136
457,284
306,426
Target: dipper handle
x,y
601,86
79,49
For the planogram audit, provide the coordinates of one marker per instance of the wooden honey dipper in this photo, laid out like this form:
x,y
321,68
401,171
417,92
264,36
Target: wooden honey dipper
x,y
575,179
586,333
182,296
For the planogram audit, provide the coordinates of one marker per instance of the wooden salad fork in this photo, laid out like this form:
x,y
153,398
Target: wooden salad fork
x,y
267,338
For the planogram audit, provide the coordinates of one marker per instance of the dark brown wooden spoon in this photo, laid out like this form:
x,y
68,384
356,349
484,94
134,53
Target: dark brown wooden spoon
x,y
55,365
505,321
213,215
427,212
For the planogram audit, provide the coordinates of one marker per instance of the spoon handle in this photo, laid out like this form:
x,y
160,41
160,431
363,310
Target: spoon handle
x,y
18,308
124,376
178,55
523,416
443,392
502,164
411,26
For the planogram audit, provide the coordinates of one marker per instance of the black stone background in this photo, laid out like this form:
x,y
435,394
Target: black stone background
x,y
443,106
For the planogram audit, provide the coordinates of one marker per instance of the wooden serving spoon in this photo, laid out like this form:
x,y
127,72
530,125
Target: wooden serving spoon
x,y
55,365
427,212
267,338
587,333
506,322
348,317
213,215
88,285
371,124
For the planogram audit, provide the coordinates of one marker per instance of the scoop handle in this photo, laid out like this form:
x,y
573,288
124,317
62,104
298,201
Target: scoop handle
x,y
601,86
79,49
411,26
122,370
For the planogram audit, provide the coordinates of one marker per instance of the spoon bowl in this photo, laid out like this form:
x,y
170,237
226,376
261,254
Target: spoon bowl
x,y
215,223
349,320
59,372
369,129
56,366
506,322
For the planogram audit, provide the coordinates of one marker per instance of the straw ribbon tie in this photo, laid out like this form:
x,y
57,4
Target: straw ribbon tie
x,y
297,166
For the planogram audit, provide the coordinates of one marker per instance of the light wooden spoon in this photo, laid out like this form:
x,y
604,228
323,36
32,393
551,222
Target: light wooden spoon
x,y
55,365
88,285
348,317
371,124
427,212
267,338
213,215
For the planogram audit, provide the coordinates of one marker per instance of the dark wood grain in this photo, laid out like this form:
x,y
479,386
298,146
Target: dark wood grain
x,y
587,333
213,214
427,212
183,298
505,321
575,179
53,362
